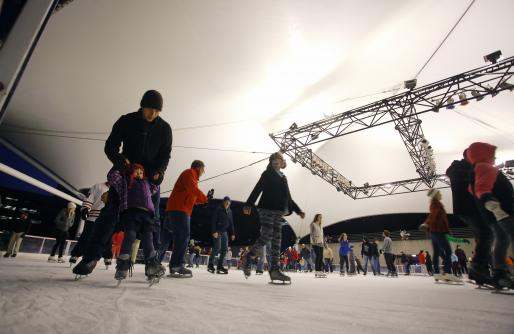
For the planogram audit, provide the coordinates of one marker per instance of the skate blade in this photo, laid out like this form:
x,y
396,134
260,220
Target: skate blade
x,y
280,282
448,282
79,277
179,276
153,281
118,283
507,292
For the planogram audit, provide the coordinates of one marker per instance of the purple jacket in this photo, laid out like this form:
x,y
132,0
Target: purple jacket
x,y
139,196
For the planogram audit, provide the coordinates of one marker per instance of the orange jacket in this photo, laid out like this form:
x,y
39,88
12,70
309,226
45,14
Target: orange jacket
x,y
437,220
185,193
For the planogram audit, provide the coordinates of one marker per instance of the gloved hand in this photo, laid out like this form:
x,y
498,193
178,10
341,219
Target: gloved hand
x,y
423,227
210,194
84,213
495,208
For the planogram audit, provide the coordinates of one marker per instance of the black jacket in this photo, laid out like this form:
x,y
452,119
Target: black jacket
x,y
275,193
374,249
21,225
148,144
366,249
222,221
463,202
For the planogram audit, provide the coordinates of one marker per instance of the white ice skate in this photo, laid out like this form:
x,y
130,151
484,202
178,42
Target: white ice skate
x,y
60,259
52,259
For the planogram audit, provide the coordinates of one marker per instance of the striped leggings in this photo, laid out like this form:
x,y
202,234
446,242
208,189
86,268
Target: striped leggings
x,y
271,231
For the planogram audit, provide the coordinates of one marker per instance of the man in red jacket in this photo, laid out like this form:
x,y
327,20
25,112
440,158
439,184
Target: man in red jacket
x,y
184,196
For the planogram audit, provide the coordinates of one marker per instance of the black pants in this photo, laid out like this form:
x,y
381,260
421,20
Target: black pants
x,y
464,267
80,246
343,260
389,258
483,237
318,250
60,241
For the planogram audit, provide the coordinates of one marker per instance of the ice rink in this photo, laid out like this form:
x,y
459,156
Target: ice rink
x,y
41,297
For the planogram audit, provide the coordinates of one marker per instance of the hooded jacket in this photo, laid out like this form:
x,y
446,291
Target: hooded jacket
x,y
145,143
486,182
463,202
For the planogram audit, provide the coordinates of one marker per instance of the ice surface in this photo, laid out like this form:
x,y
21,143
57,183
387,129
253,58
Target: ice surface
x,y
41,297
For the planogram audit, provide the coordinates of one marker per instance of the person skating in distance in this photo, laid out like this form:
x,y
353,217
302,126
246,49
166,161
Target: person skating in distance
x,y
274,203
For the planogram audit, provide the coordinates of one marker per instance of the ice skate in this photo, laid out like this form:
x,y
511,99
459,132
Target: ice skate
x,y
7,255
60,259
210,268
259,272
84,268
341,273
107,263
481,277
72,260
246,265
221,270
123,267
320,274
502,280
154,270
277,275
52,258
180,272
14,254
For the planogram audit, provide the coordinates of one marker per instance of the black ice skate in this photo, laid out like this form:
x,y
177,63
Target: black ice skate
x,y
480,276
154,270
259,272
107,263
84,268
278,277
123,268
180,273
72,260
246,265
210,268
221,270
502,280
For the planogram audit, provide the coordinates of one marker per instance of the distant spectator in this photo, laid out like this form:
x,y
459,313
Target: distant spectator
x,y
20,226
387,249
344,250
404,259
463,260
63,222
429,264
307,257
366,255
404,235
375,256
328,255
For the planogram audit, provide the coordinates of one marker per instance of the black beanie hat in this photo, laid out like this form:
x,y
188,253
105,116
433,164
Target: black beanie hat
x,y
152,99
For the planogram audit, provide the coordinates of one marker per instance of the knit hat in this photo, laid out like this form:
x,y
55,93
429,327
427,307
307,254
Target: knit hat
x,y
152,99
432,193
226,198
71,205
132,175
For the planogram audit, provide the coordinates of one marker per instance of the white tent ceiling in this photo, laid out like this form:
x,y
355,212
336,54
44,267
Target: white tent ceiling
x,y
231,72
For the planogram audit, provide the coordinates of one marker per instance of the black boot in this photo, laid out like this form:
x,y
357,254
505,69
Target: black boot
x,y
276,274
123,267
480,274
221,270
246,265
153,268
502,279
85,267
210,268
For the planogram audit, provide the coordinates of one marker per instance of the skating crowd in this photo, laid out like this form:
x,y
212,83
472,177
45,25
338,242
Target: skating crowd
x,y
123,213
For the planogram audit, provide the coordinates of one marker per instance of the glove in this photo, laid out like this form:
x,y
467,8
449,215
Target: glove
x,y
210,194
497,211
84,213
22,235
423,227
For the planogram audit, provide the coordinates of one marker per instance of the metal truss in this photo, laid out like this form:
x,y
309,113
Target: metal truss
x,y
404,110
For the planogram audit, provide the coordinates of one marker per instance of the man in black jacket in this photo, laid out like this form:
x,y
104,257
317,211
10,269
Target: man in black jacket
x,y
275,202
20,227
222,228
146,140
465,207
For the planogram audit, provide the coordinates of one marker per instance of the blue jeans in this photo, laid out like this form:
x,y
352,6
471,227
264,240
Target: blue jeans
x,y
220,245
177,224
441,249
366,258
375,262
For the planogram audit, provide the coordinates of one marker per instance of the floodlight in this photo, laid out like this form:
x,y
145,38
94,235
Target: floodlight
x,y
410,84
477,95
463,99
493,57
293,126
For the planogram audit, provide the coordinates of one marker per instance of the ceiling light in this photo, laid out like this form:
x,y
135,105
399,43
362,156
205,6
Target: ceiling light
x,y
493,57
293,126
450,102
410,84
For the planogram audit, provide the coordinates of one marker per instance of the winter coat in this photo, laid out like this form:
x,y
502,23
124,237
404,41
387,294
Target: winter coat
x,y
140,196
316,234
222,220
93,202
463,202
487,183
437,220
63,222
421,258
275,193
344,247
145,143
21,225
461,255
185,193
366,249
